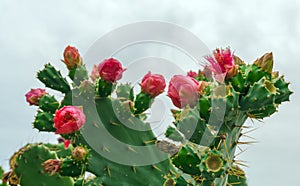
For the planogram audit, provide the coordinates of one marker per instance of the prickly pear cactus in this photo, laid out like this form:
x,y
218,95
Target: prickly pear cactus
x,y
104,132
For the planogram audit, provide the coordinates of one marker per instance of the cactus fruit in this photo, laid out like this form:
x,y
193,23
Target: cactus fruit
x,y
110,138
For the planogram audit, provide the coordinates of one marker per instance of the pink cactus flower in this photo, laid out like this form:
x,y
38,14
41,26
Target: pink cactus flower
x,y
72,57
221,62
183,91
34,95
110,70
69,119
153,84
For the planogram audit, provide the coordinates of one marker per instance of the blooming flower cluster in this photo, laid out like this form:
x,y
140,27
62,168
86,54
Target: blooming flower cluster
x,y
183,90
212,105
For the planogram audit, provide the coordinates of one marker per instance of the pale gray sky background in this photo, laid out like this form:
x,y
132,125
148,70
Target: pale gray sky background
x,y
33,33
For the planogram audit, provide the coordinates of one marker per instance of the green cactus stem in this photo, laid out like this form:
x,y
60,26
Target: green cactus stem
x,y
188,160
283,90
173,134
262,93
71,167
104,88
142,102
125,91
78,74
191,125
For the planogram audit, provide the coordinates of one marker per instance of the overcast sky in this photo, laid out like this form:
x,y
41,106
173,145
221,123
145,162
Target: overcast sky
x,y
33,33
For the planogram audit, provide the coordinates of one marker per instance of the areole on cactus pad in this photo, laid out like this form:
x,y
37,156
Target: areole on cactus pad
x,y
199,146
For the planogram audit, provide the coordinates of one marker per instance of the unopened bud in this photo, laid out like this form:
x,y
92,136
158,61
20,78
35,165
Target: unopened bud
x,y
79,153
265,62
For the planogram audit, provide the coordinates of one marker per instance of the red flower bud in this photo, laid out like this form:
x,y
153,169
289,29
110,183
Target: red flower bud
x,y
110,70
192,74
72,57
67,143
183,91
34,95
153,84
68,119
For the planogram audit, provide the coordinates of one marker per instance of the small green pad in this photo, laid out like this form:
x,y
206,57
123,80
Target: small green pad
x,y
71,168
283,90
142,102
44,122
48,103
262,93
187,160
104,88
52,78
